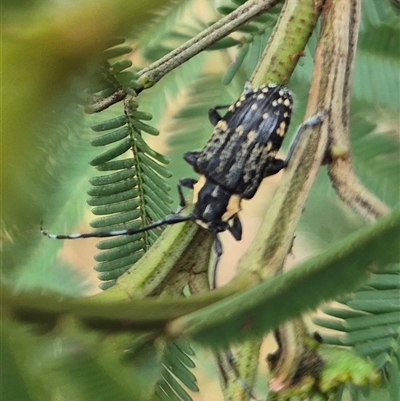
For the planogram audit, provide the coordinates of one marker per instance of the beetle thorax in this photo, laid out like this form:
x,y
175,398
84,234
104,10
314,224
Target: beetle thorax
x,y
214,205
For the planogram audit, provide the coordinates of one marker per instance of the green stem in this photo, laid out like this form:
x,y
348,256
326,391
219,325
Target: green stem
x,y
241,16
286,45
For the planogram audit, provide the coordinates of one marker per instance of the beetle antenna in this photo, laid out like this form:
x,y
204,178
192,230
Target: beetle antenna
x,y
169,220
246,387
218,250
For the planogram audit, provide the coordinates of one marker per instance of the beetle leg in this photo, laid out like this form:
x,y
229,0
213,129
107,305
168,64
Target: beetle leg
x,y
314,120
213,114
247,88
236,228
191,158
187,183
277,165
218,250
274,167
182,201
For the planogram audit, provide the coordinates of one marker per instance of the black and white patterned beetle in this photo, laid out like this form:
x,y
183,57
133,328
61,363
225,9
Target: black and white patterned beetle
x,y
238,156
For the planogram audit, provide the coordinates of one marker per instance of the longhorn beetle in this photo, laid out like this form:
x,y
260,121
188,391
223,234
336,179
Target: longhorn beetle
x,y
238,156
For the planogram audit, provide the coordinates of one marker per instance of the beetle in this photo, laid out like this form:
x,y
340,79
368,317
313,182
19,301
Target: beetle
x,y
240,153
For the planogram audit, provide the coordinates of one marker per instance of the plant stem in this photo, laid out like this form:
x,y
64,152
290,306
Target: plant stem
x,y
241,16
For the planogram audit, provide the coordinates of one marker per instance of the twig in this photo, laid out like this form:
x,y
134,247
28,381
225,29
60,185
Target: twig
x,y
104,103
241,16
333,88
330,90
150,75
352,191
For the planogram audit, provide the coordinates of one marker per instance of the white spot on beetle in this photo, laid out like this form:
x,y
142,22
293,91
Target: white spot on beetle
x,y
215,192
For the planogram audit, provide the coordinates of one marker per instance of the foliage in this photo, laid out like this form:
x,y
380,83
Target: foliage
x,y
128,342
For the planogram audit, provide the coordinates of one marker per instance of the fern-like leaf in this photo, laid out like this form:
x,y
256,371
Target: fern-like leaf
x,y
176,362
369,321
131,192
173,26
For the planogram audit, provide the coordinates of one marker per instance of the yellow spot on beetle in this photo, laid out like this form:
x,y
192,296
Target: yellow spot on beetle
x,y
251,135
282,129
202,223
238,132
197,188
233,208
222,125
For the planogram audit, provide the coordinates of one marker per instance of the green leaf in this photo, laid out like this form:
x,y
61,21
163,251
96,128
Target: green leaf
x,y
337,270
